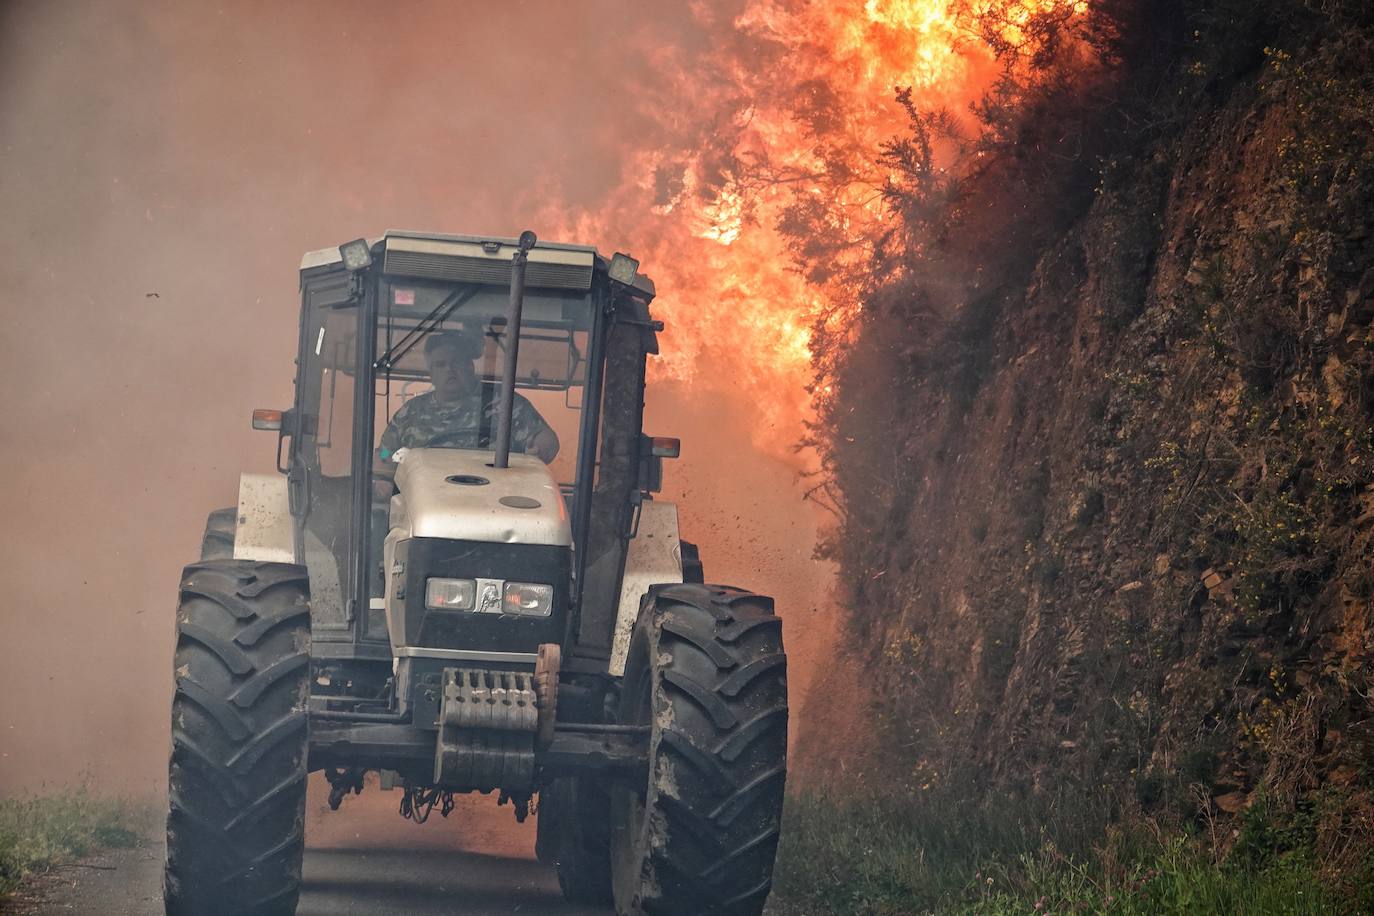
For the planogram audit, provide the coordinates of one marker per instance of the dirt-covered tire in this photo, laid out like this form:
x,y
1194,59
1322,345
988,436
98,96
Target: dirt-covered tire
x,y
583,842
692,570
706,672
220,528
236,780
548,820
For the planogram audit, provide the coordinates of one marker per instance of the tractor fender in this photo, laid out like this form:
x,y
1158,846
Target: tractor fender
x,y
265,530
654,557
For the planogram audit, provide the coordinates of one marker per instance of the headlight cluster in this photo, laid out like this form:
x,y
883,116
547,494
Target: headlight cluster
x,y
450,594
527,599
489,596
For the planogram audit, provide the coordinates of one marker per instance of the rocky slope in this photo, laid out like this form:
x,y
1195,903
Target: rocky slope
x,y
1108,518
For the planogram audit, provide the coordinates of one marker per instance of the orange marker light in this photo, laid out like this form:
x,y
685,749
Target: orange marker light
x,y
267,419
665,447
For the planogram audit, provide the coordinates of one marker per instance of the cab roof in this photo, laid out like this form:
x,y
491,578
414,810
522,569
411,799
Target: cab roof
x,y
478,259
325,257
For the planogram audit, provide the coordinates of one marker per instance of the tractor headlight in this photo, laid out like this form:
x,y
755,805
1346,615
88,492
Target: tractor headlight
x,y
450,594
527,599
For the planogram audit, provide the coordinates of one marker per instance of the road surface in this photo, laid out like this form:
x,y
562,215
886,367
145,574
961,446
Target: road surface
x,y
362,859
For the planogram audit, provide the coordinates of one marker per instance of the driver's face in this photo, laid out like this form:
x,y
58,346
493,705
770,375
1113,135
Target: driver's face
x,y
451,374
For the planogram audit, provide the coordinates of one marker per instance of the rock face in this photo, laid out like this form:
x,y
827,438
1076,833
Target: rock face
x,y
1126,545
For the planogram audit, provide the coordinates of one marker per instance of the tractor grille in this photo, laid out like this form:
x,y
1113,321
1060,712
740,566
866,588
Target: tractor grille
x,y
488,270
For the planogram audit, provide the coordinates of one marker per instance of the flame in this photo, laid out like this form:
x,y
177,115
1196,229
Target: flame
x,y
793,103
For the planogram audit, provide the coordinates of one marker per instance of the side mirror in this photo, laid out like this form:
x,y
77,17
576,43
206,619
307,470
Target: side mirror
x,y
651,474
281,422
652,451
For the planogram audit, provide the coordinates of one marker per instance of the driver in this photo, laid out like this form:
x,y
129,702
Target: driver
x,y
460,412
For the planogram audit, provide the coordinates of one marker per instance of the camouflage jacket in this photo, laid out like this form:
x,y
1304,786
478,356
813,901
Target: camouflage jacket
x,y
471,423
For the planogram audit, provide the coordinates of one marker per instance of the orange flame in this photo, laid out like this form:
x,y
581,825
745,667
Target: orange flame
x,y
795,101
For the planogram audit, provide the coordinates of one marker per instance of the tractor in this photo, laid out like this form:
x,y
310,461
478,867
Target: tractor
x,y
466,613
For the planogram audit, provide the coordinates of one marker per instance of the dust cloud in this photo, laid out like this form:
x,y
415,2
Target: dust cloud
x,y
164,167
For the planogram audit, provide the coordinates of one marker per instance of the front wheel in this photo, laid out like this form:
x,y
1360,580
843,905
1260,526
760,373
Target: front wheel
x,y
582,846
236,782
220,528
707,674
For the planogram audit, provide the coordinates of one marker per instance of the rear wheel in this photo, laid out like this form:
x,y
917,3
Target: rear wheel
x,y
236,780
220,528
707,674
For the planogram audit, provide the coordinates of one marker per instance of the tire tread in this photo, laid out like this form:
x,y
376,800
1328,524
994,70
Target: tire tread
x,y
720,698
236,787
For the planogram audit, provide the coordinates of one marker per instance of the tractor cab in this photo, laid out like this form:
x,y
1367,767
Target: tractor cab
x,y
435,550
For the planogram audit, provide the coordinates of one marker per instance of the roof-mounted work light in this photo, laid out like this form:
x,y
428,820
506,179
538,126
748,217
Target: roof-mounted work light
x,y
357,255
623,269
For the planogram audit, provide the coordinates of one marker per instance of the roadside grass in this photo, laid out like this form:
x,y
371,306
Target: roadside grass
x,y
41,831
871,856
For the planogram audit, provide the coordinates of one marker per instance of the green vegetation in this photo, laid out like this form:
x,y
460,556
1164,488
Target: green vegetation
x,y
42,831
937,853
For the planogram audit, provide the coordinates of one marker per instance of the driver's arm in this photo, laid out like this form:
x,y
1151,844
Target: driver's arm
x,y
391,441
544,445
535,435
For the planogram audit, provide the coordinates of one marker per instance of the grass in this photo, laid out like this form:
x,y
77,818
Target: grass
x,y
939,854
39,832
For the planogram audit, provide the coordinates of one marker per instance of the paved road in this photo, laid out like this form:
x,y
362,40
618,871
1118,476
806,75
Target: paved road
x,y
362,859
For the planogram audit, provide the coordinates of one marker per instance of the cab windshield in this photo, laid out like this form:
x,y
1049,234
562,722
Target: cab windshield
x,y
407,411
440,356
416,320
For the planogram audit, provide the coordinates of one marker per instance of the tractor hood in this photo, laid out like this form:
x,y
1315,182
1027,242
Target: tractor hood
x,y
457,494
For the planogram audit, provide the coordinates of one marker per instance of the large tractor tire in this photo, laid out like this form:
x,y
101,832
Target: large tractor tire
x,y
707,674
548,824
692,570
236,781
583,842
220,528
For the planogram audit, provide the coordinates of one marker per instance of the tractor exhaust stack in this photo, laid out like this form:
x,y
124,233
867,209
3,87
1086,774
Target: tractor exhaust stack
x,y
506,408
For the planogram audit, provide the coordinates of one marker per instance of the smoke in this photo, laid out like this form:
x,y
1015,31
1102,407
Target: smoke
x,y
165,166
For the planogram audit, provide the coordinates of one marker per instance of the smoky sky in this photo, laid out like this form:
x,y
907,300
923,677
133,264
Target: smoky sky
x,y
163,166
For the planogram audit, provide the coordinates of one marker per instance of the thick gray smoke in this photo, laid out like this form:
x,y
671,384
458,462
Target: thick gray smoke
x,y
164,166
